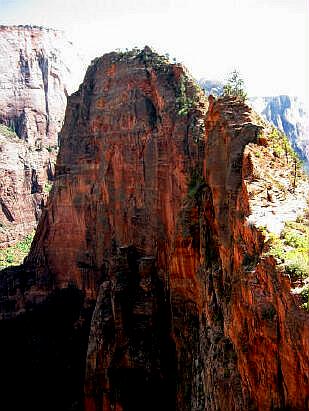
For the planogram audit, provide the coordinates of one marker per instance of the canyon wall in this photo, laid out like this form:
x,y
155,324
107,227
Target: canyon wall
x,y
39,67
147,287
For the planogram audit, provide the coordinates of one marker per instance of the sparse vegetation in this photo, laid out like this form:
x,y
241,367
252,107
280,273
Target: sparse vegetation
x,y
146,55
279,152
50,148
281,146
235,86
292,249
15,254
47,187
7,131
190,221
196,185
305,297
187,105
283,149
184,102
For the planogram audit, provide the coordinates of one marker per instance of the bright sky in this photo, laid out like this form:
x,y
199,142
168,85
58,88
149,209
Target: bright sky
x,y
266,40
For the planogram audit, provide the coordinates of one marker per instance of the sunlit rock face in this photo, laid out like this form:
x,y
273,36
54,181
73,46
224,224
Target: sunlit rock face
x,y
39,68
23,187
149,279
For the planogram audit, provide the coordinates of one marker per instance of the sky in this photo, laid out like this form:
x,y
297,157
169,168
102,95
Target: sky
x,y
267,41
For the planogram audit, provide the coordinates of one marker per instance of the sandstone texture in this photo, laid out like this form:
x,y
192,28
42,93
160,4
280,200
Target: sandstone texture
x,y
23,187
39,68
147,286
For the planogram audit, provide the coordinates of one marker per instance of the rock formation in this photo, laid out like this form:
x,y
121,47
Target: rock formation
x,y
291,117
35,79
145,266
23,187
287,113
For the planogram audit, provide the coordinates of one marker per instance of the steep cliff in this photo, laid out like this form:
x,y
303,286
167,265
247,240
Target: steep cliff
x,y
22,191
38,69
147,263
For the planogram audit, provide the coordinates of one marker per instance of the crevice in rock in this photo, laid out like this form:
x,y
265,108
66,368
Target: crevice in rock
x,y
24,67
6,211
35,186
44,67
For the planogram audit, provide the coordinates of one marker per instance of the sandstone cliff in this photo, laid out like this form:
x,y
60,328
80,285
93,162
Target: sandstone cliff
x,y
38,69
146,264
22,186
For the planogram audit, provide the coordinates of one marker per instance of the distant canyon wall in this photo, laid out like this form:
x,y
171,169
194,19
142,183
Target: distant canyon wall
x,y
39,68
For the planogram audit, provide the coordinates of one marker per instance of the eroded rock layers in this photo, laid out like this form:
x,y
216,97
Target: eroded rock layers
x,y
145,233
35,79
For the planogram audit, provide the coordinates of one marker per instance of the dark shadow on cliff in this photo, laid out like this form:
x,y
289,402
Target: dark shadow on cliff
x,y
42,355
131,326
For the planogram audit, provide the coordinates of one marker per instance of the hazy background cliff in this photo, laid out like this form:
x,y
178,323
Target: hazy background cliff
x,y
39,68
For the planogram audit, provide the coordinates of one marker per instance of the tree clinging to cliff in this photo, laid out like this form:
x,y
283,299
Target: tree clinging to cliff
x,y
235,86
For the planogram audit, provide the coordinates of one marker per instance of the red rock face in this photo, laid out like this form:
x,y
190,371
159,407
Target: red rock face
x,y
268,331
130,173
35,81
147,220
129,113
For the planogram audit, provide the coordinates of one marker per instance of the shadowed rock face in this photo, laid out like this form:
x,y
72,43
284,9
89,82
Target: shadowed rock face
x,y
35,80
146,232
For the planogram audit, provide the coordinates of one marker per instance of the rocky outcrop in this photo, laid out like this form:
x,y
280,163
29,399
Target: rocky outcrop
x,y
38,69
290,116
260,316
287,113
146,247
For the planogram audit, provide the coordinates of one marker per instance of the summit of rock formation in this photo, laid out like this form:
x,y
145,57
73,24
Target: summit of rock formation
x,y
149,285
39,68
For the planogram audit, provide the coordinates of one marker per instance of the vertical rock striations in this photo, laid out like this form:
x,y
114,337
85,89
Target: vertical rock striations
x,y
23,175
267,330
147,230
35,78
